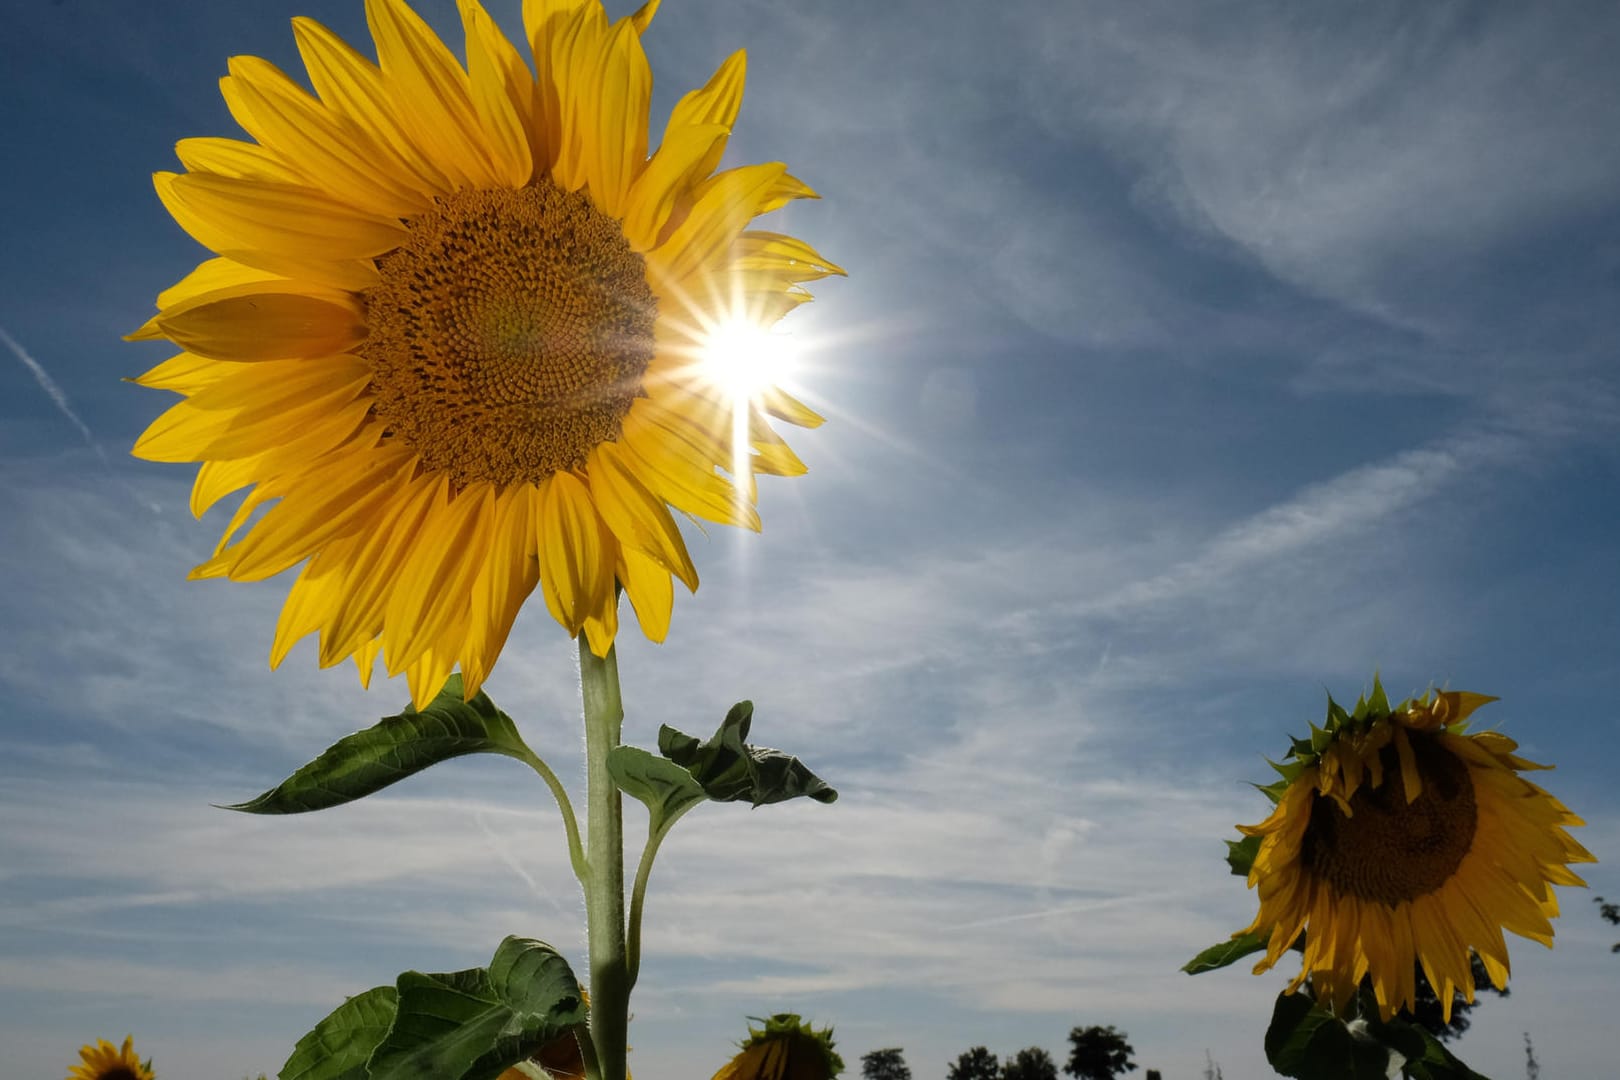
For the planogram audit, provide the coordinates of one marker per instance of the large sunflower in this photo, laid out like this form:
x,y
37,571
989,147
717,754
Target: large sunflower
x,y
453,333
1399,839
104,1061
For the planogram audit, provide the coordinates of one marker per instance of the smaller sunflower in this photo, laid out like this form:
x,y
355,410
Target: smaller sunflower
x,y
784,1049
1399,839
104,1061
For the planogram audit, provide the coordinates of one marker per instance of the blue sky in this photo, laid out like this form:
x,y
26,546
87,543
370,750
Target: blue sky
x,y
1194,359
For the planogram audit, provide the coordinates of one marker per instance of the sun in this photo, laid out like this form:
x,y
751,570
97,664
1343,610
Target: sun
x,y
741,359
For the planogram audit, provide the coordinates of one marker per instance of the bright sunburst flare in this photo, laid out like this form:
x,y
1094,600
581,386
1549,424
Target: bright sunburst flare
x,y
744,359
104,1061
1401,839
449,330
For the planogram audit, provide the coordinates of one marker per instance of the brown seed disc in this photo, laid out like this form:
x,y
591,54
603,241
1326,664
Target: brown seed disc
x,y
1390,850
509,334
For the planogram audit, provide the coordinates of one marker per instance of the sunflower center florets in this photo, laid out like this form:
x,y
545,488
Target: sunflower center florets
x,y
1390,850
117,1072
509,334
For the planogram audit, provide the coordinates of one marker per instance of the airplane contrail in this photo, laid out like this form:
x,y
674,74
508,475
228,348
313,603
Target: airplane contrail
x,y
59,398
55,392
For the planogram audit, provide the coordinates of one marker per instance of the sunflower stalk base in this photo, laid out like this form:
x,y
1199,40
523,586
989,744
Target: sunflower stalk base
x,y
525,1009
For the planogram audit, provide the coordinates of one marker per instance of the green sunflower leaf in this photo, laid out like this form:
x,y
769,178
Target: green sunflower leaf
x,y
392,749
1307,1043
475,1024
1240,854
728,769
1227,952
339,1046
1436,1062
667,789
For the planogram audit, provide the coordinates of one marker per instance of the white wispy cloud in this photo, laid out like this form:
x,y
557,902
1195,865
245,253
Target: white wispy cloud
x,y
1335,146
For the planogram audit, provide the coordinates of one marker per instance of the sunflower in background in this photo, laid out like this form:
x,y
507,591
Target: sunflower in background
x,y
454,332
1400,839
785,1048
104,1061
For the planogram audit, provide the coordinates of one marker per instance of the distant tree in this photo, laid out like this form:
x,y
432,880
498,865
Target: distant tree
x,y
1532,1067
1212,1068
1611,913
1098,1053
1153,1074
887,1064
1030,1063
976,1064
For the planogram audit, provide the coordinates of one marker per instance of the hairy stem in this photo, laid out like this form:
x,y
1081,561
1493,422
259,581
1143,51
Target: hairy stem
x,y
604,888
576,850
656,831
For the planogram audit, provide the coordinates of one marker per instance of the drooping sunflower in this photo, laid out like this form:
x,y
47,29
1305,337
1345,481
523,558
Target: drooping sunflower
x,y
452,333
784,1048
1401,839
104,1061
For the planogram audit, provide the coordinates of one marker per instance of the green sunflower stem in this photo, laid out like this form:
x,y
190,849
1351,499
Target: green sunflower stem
x,y
638,892
604,890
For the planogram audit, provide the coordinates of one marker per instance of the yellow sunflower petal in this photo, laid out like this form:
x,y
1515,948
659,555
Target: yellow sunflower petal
x,y
281,219
685,479
576,568
264,324
502,93
232,157
326,150
716,102
437,579
614,120
717,218
223,233
432,95
505,580
543,22
653,197
184,374
277,399
353,87
638,518
575,68
643,16
346,492
650,589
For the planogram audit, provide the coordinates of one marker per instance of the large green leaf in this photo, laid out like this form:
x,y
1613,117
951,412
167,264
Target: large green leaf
x,y
394,748
728,769
1309,1043
667,789
339,1046
1227,952
475,1024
